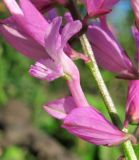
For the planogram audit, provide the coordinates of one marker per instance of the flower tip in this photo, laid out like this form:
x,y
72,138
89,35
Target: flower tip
x,y
125,138
54,112
38,71
68,17
58,20
46,108
32,71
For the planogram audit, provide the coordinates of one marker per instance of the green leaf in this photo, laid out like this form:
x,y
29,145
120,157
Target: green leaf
x,y
14,153
136,149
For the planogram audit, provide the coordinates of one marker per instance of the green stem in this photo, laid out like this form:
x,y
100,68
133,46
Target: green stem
x,y
129,151
92,65
128,148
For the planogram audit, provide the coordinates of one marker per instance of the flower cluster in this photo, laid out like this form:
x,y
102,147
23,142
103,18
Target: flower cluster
x,y
37,31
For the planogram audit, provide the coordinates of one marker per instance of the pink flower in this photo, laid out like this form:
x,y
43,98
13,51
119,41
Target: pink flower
x,y
132,105
49,38
108,52
25,30
61,64
85,122
54,44
48,43
97,8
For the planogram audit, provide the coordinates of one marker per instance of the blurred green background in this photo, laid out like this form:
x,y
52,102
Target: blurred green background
x,y
16,83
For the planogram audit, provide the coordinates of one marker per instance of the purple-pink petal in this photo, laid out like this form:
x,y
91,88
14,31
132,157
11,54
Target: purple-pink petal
x,y
132,104
53,39
55,42
20,41
35,22
69,30
108,53
135,33
17,15
55,48
90,125
60,108
28,18
46,70
93,7
68,17
99,7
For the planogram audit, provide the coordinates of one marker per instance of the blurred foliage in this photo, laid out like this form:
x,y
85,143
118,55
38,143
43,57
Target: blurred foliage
x,y
15,153
136,148
16,83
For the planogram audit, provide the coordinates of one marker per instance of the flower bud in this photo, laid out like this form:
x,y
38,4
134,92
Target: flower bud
x,y
96,8
132,106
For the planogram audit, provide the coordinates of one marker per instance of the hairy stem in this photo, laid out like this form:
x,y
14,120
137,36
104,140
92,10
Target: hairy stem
x,y
128,149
